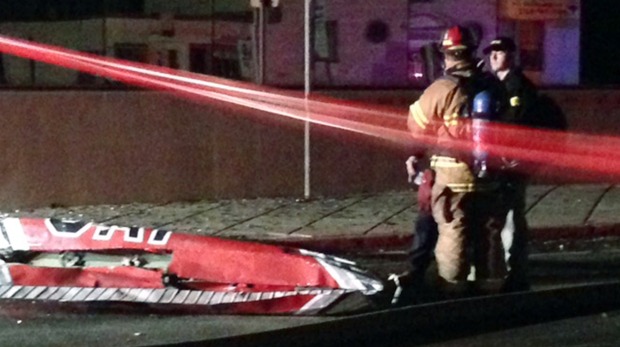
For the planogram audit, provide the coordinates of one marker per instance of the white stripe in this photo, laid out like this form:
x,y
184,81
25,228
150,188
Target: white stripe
x,y
344,278
4,243
5,275
15,232
318,303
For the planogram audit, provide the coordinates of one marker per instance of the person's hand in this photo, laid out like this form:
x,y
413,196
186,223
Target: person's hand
x,y
509,164
411,172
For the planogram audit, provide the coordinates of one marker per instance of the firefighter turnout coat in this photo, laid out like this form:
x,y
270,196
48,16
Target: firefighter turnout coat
x,y
467,209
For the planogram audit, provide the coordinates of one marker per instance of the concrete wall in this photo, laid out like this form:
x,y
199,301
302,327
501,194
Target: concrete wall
x,y
75,148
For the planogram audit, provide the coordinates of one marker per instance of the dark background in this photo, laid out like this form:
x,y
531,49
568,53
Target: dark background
x,y
600,42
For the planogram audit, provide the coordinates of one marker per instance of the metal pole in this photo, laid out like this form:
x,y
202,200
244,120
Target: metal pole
x,y
261,44
255,62
307,63
211,66
104,35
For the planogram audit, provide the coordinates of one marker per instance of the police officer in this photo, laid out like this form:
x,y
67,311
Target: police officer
x,y
525,108
467,209
522,95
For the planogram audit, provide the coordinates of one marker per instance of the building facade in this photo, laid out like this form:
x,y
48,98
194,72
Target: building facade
x,y
354,43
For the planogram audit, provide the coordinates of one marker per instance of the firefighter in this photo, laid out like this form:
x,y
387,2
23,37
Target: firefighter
x,y
467,209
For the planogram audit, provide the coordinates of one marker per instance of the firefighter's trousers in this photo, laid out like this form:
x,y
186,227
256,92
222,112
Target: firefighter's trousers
x,y
470,216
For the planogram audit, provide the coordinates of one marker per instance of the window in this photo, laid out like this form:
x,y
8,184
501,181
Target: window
x,y
137,52
218,60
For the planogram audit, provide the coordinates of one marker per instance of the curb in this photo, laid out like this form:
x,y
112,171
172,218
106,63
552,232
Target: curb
x,y
391,244
427,323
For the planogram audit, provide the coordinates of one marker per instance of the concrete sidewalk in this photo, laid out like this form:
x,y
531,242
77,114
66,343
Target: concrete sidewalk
x,y
378,222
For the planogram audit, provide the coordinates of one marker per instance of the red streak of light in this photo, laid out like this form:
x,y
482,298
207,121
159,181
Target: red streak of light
x,y
211,88
584,153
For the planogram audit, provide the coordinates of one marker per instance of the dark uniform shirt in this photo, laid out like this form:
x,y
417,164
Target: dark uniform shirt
x,y
522,96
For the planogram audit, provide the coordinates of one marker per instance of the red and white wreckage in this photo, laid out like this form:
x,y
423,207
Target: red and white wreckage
x,y
77,262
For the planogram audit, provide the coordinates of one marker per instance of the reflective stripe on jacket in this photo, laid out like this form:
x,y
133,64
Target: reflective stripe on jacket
x,y
437,110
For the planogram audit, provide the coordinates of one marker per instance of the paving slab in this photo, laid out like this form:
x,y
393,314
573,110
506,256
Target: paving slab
x,y
607,211
97,213
284,221
164,216
360,218
231,213
569,205
400,224
535,193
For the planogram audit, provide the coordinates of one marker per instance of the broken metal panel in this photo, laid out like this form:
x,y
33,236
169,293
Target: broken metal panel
x,y
77,261
226,300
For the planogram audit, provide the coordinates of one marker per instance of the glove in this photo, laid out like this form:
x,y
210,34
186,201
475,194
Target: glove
x,y
410,164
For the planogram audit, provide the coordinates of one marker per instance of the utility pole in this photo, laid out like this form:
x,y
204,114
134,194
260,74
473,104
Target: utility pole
x,y
307,83
259,34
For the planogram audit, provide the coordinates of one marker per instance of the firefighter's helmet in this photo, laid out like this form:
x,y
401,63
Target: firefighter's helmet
x,y
457,38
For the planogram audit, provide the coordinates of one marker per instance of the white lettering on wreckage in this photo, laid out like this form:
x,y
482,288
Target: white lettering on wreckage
x,y
133,234
12,233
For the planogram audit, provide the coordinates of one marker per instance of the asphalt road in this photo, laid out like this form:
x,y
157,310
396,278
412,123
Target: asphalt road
x,y
482,322
26,325
598,330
